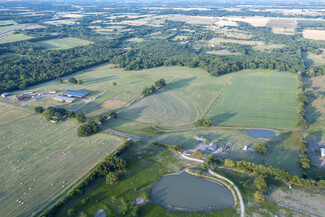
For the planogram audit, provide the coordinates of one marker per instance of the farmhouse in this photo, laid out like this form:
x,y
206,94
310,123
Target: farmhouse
x,y
201,139
212,147
322,152
4,95
64,99
75,93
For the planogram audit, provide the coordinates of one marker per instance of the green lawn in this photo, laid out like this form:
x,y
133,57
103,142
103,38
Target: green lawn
x,y
14,38
63,43
256,98
35,154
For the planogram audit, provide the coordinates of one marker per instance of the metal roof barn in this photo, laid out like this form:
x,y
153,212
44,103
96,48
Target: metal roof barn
x,y
75,93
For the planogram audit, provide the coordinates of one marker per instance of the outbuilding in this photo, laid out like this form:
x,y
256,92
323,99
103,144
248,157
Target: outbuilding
x,y
75,93
212,147
4,95
201,139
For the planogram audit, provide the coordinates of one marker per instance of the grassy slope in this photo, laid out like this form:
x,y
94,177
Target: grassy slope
x,y
257,98
32,149
63,43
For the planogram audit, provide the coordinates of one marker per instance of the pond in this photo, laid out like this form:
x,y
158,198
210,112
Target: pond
x,y
260,133
188,193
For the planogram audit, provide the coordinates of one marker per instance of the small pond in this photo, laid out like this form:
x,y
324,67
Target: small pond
x,y
187,193
260,133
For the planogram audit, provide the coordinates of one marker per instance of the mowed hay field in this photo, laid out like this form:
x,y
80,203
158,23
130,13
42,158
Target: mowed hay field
x,y
165,108
63,43
40,161
314,34
257,98
14,38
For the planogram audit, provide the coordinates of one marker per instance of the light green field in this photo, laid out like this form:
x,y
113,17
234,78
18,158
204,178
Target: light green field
x,y
251,98
256,98
14,38
11,27
7,22
166,108
314,59
35,154
63,43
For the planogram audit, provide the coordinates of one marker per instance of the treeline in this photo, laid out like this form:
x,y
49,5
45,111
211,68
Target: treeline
x,y
36,65
151,90
177,147
110,164
302,102
270,171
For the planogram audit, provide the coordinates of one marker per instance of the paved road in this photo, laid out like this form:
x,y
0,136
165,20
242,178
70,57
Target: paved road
x,y
15,104
132,137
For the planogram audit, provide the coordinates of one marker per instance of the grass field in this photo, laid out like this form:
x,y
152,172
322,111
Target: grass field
x,y
270,95
256,98
222,52
40,161
11,27
314,34
63,43
166,108
14,38
314,59
285,31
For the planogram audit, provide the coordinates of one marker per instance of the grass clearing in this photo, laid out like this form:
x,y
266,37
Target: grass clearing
x,y
314,59
10,27
63,22
254,21
63,43
285,31
222,52
257,98
36,154
14,38
314,34
192,19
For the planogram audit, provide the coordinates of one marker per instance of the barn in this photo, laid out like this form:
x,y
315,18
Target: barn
x,y
75,93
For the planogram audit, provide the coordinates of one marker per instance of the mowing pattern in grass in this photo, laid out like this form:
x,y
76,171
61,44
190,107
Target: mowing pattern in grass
x,y
39,161
257,98
166,108
63,43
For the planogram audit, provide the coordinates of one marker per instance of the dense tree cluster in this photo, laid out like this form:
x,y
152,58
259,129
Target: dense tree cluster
x,y
151,90
261,148
88,129
203,122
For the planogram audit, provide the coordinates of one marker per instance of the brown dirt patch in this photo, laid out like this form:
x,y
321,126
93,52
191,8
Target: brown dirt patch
x,y
314,34
113,104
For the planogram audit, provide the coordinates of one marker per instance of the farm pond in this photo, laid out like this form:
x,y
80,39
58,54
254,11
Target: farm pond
x,y
184,192
260,133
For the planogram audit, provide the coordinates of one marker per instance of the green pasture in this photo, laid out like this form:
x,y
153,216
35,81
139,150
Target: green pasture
x,y
7,22
14,38
145,165
256,98
11,27
63,43
40,161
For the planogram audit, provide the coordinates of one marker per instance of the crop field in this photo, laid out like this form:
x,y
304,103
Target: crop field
x,y
314,34
193,19
282,23
166,108
256,98
11,27
40,161
63,43
14,38
254,21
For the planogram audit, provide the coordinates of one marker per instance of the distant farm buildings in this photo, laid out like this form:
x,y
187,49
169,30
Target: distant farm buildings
x,y
64,99
75,93
201,139
212,147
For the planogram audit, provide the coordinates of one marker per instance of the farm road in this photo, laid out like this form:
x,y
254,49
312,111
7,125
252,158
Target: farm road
x,y
15,104
132,137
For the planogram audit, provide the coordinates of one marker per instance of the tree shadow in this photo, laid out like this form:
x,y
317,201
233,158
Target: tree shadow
x,y
99,80
180,83
220,118
312,114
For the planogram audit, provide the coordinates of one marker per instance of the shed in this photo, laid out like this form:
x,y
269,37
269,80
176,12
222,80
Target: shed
x,y
75,93
322,152
64,99
4,95
201,139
